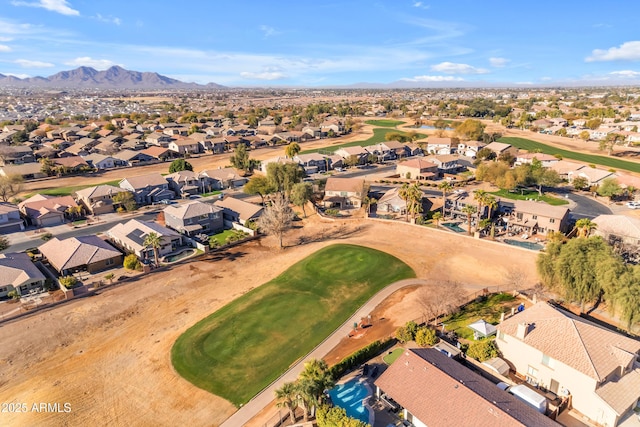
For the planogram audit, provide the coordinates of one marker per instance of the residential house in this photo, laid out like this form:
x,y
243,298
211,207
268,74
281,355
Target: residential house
x,y
344,192
601,133
435,390
278,159
442,146
565,354
593,176
221,178
357,152
83,253
531,217
100,161
389,150
470,148
546,160
71,164
419,169
391,202
500,148
27,171
160,153
18,273
184,183
132,158
131,235
236,210
216,145
336,126
98,200
159,139
564,167
312,162
10,220
42,210
185,146
194,218
314,132
618,230
447,163
16,154
148,189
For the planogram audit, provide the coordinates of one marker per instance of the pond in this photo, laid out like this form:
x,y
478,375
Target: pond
x,y
433,127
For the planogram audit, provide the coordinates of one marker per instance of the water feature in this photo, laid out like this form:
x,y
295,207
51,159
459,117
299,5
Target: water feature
x,y
180,255
453,226
350,396
527,245
433,127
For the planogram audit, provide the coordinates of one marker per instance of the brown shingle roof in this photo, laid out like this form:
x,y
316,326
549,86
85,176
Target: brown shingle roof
x,y
77,251
351,185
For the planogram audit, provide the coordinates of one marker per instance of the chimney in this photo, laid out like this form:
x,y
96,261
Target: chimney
x,y
523,330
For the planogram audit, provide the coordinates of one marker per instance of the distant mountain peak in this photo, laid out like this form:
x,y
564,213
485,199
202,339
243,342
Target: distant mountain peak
x,y
114,77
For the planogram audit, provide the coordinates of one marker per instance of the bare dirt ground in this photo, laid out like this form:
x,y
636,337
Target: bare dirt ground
x,y
109,355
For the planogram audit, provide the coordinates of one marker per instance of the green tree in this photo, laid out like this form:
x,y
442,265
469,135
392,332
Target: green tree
x,y
283,176
180,165
48,166
584,135
426,337
314,379
480,196
301,193
276,218
580,183
287,397
482,350
628,296
585,226
470,130
609,188
336,417
260,185
68,281
437,217
610,142
14,295
292,150
445,187
4,243
240,159
470,210
407,332
492,203
20,136
153,241
544,177
125,200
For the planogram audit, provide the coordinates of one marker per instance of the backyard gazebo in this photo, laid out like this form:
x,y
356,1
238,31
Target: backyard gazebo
x,y
482,329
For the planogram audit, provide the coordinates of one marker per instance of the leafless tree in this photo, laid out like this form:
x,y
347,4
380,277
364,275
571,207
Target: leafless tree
x,y
515,277
277,217
10,185
440,299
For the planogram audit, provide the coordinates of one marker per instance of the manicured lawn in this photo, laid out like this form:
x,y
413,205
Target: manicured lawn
x,y
67,191
222,237
612,162
241,348
211,193
393,356
378,136
489,310
384,123
530,195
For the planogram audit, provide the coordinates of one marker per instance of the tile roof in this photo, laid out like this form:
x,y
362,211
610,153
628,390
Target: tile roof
x,y
77,251
244,209
16,268
621,393
221,174
418,164
586,347
192,209
620,225
351,185
142,181
540,208
440,391
41,204
98,191
133,232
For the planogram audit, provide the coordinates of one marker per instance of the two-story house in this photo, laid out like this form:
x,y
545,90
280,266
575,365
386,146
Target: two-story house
x,y
565,354
18,273
10,220
221,178
470,148
184,183
185,146
313,162
42,210
131,236
531,217
357,152
148,189
98,200
194,217
442,146
236,210
344,192
546,160
419,169
447,163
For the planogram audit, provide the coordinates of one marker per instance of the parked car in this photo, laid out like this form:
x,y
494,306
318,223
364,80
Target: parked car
x,y
167,202
633,205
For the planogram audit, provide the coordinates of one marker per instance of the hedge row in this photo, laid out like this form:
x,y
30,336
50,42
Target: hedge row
x,y
359,357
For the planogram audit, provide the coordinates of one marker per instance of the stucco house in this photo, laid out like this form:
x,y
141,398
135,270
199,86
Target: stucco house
x,y
221,178
437,145
83,253
184,183
19,273
537,217
236,210
566,354
98,200
10,219
419,169
194,217
131,235
148,189
42,210
344,192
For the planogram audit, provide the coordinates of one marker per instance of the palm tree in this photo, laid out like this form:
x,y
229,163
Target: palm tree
x,y
292,150
437,216
415,201
368,201
585,226
469,210
314,380
287,396
480,196
492,203
403,192
445,186
153,240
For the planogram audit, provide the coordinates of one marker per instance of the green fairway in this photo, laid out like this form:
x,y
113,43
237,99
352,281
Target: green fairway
x,y
530,195
67,191
243,347
378,136
612,162
386,123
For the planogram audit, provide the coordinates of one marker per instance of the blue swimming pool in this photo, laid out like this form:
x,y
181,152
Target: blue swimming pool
x,y
526,245
349,396
453,226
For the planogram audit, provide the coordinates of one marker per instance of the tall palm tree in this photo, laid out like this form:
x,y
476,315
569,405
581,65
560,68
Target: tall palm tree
x,y
153,240
415,201
585,226
287,397
469,210
492,203
314,380
445,186
437,216
292,150
480,196
404,193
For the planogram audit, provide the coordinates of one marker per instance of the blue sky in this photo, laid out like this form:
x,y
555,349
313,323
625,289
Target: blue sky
x,y
324,43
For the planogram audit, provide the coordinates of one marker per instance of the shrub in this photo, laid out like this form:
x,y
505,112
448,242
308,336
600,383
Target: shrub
x,y
483,350
68,281
332,212
131,262
46,237
14,295
359,357
407,332
426,337
336,416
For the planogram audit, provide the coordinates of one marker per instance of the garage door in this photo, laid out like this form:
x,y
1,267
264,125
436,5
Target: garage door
x,y
52,220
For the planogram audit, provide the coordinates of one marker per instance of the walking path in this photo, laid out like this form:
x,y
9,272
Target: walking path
x,y
266,396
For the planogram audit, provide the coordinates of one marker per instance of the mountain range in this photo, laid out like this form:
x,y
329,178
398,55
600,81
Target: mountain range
x,y
112,78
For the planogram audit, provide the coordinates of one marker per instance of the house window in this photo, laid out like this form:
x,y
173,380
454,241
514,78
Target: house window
x,y
109,261
532,372
501,335
552,220
548,361
519,216
205,216
534,216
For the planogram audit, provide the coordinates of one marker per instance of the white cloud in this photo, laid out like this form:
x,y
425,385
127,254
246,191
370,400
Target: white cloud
x,y
498,62
18,75
59,6
269,31
433,79
5,39
5,48
87,61
108,19
628,51
420,5
265,75
630,74
453,68
25,63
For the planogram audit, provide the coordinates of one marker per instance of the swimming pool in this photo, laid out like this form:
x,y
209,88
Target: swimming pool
x,y
179,256
453,226
526,245
350,396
